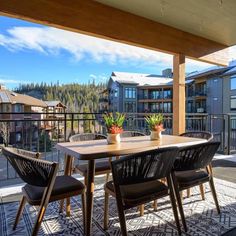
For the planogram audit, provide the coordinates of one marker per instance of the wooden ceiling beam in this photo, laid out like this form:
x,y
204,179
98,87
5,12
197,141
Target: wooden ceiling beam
x,y
93,18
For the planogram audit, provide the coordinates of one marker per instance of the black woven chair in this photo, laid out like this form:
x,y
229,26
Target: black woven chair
x,y
101,167
204,135
192,168
42,184
127,134
136,181
199,134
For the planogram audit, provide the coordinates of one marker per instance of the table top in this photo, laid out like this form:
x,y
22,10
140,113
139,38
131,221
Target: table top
x,y
97,149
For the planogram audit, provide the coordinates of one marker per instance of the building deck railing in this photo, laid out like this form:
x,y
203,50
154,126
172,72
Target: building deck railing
x,y
41,132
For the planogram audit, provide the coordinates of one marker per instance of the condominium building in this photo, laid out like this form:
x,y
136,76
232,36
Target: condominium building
x,y
211,91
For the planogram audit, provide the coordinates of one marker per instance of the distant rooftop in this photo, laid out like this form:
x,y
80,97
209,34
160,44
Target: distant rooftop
x,y
140,79
231,71
7,96
209,71
54,103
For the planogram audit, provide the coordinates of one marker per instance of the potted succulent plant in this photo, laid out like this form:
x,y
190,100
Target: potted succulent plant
x,y
155,124
114,125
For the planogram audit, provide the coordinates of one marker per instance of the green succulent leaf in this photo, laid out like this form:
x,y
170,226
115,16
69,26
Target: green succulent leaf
x,y
153,120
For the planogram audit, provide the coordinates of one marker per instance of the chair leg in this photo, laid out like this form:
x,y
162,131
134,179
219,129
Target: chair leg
x,y
39,220
188,192
19,212
122,222
106,211
155,205
202,191
68,207
141,207
174,208
61,206
121,214
179,202
173,204
85,180
213,190
107,177
83,210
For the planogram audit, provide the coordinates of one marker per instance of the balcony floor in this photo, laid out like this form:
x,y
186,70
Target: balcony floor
x,y
201,216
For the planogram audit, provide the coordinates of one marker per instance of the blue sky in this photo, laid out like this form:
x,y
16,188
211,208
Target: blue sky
x,y
35,53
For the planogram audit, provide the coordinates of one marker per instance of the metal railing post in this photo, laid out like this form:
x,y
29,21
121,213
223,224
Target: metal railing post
x,y
229,134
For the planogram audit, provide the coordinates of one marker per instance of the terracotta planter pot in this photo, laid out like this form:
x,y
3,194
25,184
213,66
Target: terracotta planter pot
x,y
155,135
113,138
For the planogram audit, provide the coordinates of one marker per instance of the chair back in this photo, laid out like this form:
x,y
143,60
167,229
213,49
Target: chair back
x,y
128,134
86,137
31,170
199,134
196,156
143,167
27,153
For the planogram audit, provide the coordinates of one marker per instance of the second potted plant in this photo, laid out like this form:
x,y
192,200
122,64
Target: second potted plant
x,y
155,124
114,126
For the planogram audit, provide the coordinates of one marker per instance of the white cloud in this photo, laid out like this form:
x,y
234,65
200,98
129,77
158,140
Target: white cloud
x,y
52,41
93,76
99,78
5,79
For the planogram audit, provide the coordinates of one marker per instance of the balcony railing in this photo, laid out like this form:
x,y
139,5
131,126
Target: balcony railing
x,y
43,133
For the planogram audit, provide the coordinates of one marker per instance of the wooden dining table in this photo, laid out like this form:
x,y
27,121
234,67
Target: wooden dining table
x,y
99,149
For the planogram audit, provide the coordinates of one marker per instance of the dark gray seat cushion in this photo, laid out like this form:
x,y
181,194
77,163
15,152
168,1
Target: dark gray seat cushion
x,y
63,185
135,194
191,177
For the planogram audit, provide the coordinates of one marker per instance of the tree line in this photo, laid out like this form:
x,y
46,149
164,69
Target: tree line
x,y
76,97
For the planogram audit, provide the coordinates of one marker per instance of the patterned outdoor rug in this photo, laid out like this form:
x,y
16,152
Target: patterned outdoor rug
x,y
201,216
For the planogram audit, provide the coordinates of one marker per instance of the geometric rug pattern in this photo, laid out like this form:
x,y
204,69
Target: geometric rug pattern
x,y
201,216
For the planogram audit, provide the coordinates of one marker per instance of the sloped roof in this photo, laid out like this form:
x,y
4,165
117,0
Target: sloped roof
x,y
231,71
208,71
54,103
7,96
140,79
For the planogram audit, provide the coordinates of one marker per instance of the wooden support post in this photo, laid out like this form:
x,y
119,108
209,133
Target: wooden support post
x,y
179,94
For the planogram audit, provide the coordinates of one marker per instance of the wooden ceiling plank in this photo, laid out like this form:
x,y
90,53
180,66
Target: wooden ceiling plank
x,y
96,19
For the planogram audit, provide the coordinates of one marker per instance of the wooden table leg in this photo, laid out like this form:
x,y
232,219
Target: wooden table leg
x,y
68,162
89,196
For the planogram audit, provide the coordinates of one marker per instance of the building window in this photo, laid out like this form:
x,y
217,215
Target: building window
x,y
233,102
155,94
18,123
233,83
156,107
116,93
6,107
190,107
215,99
200,89
167,93
17,108
167,107
18,137
130,106
145,94
130,92
145,107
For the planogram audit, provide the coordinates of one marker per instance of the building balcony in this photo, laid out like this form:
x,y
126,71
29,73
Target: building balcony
x,y
200,93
